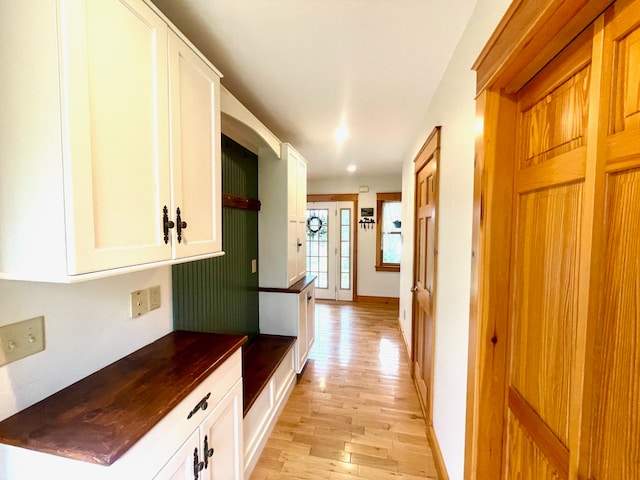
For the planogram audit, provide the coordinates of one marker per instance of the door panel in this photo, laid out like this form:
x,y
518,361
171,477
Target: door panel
x,y
615,413
529,461
543,323
425,271
330,249
545,301
572,375
616,450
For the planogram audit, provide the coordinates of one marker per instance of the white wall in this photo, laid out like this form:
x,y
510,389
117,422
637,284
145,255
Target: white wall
x,y
87,327
370,282
453,107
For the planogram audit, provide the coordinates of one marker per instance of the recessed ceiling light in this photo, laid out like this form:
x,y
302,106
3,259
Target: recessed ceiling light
x,y
341,133
351,168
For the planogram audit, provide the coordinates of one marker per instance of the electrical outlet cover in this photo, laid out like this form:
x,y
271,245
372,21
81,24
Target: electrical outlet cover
x,y
154,297
21,339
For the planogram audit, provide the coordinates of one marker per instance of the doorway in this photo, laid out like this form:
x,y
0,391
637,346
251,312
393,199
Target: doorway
x,y
330,247
424,274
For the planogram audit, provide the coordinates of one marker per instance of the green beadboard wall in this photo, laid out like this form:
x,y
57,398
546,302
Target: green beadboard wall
x,y
220,295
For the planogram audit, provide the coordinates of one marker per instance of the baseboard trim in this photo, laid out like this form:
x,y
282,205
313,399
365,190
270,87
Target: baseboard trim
x,y
437,453
387,300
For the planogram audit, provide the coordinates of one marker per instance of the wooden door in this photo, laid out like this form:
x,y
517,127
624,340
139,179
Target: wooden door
x,y
612,397
195,151
115,133
570,369
550,159
425,270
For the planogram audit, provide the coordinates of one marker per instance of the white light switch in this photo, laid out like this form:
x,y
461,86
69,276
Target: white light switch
x,y
254,265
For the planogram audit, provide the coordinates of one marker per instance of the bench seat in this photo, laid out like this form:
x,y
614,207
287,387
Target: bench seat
x,y
268,374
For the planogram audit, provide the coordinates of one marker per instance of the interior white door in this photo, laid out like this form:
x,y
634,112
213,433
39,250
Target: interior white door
x,y
330,235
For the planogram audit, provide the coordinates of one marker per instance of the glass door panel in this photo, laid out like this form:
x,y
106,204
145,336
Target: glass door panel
x,y
330,248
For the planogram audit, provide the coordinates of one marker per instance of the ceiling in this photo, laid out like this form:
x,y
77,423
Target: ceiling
x,y
307,67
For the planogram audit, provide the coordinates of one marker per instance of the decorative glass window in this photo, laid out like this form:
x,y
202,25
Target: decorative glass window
x,y
317,246
388,232
345,248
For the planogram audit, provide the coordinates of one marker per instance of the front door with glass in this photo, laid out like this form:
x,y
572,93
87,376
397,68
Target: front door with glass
x,y
330,248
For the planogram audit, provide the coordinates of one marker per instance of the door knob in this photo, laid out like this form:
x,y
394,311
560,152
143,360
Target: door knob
x,y
413,289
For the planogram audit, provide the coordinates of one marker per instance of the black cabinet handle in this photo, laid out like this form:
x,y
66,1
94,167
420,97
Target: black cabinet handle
x,y
208,452
197,465
166,224
180,225
202,404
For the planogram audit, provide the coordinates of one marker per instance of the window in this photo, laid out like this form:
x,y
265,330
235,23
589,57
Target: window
x,y
345,248
317,246
388,229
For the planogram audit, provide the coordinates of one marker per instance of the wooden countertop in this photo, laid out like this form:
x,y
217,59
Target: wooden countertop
x,y
297,287
100,417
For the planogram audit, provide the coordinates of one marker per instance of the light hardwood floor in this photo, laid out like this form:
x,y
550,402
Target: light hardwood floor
x,y
354,412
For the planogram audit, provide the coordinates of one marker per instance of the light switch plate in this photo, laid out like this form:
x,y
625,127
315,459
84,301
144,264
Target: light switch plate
x,y
21,339
139,303
254,265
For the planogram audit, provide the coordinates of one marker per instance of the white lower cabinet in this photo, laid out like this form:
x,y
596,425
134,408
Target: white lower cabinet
x,y
173,449
214,449
291,312
181,465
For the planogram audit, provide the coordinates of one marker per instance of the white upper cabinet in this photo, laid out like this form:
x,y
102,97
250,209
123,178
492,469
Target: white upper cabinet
x,y
195,151
297,214
107,118
114,90
282,186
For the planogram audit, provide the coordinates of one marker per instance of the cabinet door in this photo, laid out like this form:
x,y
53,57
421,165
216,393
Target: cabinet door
x,y
114,95
311,317
297,217
222,433
295,250
301,189
302,330
195,151
182,464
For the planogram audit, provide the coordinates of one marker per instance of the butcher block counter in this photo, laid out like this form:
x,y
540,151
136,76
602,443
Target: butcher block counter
x,y
162,390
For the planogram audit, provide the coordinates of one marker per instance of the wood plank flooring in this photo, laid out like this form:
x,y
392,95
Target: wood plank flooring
x,y
354,412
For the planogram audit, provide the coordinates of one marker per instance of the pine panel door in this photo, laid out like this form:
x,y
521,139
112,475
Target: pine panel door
x,y
425,271
548,193
615,403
